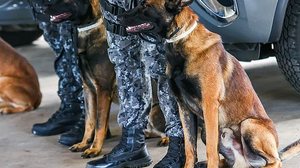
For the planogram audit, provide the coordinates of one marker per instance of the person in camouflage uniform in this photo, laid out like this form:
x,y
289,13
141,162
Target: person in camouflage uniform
x,y
69,118
135,61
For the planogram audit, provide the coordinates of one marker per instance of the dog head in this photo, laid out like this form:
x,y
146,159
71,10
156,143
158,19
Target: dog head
x,y
153,16
61,10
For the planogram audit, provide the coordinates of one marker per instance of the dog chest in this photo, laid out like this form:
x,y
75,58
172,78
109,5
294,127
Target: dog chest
x,y
186,88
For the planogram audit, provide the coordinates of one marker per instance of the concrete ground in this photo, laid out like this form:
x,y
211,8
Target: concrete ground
x,y
20,149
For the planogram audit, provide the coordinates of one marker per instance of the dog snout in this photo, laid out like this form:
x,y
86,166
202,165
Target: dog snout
x,y
128,18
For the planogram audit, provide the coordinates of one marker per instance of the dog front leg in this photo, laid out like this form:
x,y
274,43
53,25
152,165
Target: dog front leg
x,y
211,89
90,119
210,114
103,109
211,124
190,137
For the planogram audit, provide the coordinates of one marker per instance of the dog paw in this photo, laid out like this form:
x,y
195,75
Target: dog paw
x,y
90,153
79,147
163,141
3,111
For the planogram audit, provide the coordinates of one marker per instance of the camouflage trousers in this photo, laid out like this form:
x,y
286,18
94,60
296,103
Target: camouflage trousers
x,y
62,40
135,62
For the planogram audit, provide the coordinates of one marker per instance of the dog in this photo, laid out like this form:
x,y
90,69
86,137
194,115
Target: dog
x,y
98,75
210,83
19,85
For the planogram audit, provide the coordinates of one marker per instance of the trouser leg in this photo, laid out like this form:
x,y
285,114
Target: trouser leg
x,y
156,67
134,98
155,62
60,39
133,83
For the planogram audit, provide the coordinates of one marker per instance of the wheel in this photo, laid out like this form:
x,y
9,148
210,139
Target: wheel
x,y
20,37
288,47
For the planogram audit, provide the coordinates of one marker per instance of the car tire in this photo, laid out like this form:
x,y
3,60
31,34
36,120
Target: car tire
x,y
18,38
288,47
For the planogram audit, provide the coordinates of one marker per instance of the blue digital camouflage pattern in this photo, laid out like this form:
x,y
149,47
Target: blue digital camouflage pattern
x,y
135,61
62,39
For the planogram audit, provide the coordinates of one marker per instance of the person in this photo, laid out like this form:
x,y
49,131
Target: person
x,y
135,60
68,120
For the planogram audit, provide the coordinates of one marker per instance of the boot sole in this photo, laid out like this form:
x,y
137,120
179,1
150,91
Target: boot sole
x,y
68,142
144,162
51,132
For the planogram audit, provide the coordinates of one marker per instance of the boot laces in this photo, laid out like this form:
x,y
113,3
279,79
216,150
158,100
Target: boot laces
x,y
174,150
60,112
123,145
130,141
174,155
79,126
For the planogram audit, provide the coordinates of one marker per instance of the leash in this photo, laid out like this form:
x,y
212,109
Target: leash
x,y
88,27
183,35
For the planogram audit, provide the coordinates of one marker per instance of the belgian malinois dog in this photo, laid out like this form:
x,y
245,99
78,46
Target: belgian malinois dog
x,y
210,83
19,85
97,72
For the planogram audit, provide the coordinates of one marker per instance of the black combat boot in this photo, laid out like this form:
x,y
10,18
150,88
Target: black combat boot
x,y
175,157
130,152
75,134
61,121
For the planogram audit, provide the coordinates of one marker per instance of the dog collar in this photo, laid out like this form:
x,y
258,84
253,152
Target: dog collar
x,y
183,35
89,26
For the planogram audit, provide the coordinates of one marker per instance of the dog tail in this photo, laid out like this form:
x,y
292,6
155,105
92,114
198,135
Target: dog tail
x,y
290,151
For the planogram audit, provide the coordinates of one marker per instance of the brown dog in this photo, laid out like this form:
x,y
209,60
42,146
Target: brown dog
x,y
97,73
210,83
19,85
98,83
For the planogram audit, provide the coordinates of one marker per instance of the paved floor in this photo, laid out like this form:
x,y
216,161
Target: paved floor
x,y
20,149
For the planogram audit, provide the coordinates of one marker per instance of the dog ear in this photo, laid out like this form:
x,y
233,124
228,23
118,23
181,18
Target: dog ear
x,y
175,6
